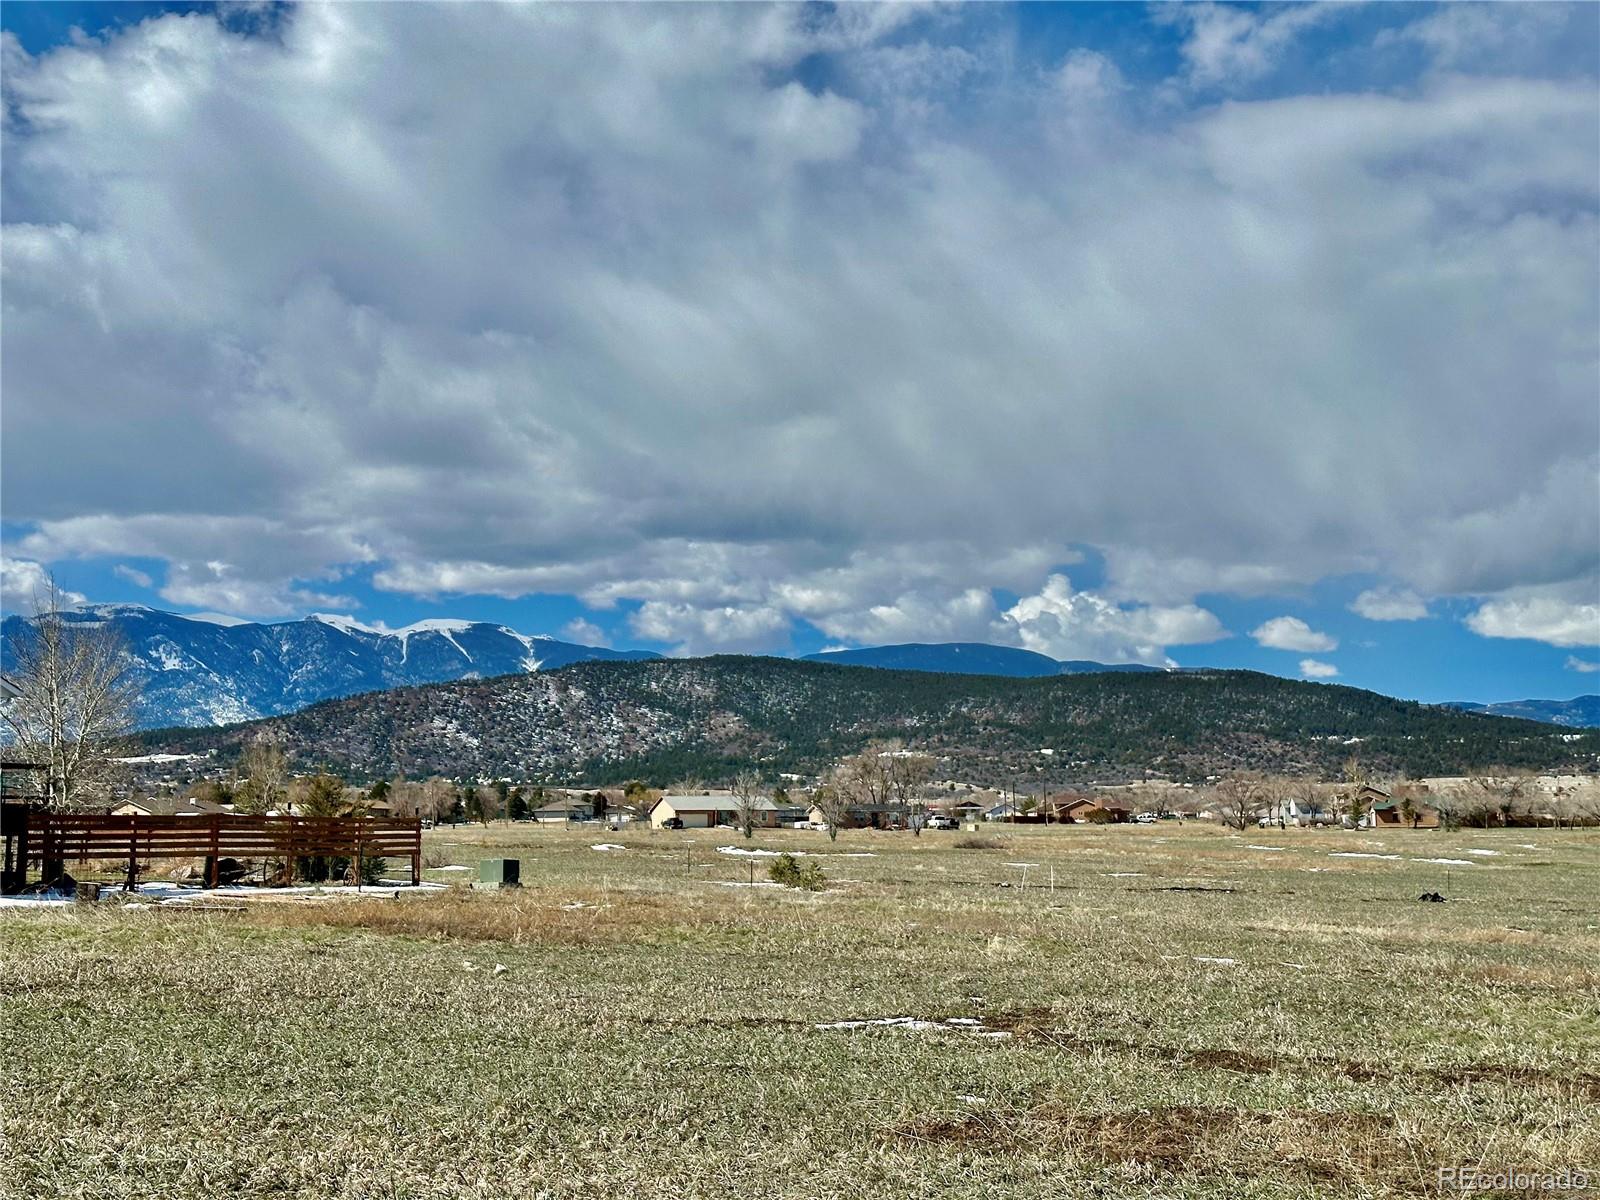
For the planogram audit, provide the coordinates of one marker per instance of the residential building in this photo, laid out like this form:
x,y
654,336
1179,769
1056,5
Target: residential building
x,y
722,808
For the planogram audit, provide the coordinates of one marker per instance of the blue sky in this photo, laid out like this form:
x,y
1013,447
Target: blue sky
x,y
1113,331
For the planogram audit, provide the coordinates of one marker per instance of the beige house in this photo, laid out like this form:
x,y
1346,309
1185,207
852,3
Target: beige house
x,y
719,808
151,806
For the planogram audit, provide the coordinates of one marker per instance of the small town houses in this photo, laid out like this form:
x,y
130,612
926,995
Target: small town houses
x,y
721,808
561,809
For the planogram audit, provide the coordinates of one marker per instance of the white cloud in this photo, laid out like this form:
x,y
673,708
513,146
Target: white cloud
x,y
965,616
1550,619
1291,633
132,574
24,583
219,585
1503,38
1584,666
1088,78
1064,623
1389,604
585,633
1230,44
1310,668
731,629
238,564
610,304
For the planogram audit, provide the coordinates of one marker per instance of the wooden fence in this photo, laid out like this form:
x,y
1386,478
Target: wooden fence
x,y
55,839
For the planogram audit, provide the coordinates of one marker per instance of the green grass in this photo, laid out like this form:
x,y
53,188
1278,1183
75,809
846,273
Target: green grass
x,y
660,1040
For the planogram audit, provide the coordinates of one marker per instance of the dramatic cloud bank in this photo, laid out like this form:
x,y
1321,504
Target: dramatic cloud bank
x,y
739,316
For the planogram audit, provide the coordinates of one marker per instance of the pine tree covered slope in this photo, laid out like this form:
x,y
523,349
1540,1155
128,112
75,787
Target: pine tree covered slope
x,y
663,719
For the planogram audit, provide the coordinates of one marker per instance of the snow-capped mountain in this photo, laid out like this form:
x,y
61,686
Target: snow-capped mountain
x,y
211,671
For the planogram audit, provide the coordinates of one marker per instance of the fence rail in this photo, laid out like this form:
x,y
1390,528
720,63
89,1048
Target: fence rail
x,y
34,835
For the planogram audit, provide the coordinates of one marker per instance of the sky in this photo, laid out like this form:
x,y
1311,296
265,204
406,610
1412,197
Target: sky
x,y
1241,336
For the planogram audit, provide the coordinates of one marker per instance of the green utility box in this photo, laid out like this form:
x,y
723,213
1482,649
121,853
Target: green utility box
x,y
500,872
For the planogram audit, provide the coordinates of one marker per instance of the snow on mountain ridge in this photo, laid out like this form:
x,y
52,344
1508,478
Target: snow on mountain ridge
x,y
193,671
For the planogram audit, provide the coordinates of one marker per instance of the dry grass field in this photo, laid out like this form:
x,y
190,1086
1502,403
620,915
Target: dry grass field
x,y
1167,1011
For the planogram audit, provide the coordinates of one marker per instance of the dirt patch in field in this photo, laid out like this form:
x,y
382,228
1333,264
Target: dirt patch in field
x,y
1328,1147
522,916
1232,1060
1042,1024
1539,978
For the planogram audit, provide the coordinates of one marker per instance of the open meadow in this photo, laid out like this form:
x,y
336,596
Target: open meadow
x,y
1172,1011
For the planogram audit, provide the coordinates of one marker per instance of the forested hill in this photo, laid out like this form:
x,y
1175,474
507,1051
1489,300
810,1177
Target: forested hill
x,y
664,719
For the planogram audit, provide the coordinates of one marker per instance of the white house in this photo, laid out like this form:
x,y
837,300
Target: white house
x,y
1304,811
560,810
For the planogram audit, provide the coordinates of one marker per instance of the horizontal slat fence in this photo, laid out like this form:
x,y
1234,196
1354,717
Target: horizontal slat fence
x,y
80,837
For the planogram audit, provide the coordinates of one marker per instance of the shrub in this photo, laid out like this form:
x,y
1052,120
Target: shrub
x,y
978,843
1096,816
787,870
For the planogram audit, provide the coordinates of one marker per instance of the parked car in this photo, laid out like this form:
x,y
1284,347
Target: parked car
x,y
942,822
672,823
1145,819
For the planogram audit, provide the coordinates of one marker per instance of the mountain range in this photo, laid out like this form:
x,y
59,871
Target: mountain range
x,y
968,658
710,717
206,671
1581,712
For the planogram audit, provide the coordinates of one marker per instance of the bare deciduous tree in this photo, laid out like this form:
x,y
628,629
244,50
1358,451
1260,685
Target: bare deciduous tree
x,y
833,804
407,799
908,772
436,799
266,777
862,780
747,792
1240,798
69,699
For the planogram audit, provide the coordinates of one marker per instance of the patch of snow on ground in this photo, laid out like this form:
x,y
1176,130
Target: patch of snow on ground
x,y
39,901
1358,854
452,868
172,893
607,846
1217,962
1124,874
760,883
1273,849
919,1025
1485,853
759,853
1448,862
1022,864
